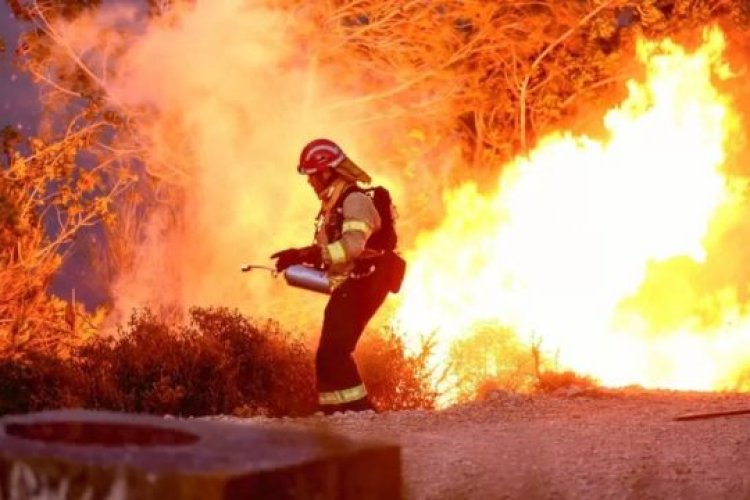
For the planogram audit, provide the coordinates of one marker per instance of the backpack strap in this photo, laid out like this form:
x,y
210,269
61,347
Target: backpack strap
x,y
334,216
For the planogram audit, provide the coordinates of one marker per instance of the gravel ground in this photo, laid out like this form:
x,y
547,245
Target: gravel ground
x,y
595,444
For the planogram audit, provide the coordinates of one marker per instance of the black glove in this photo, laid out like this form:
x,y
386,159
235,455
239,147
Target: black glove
x,y
292,256
286,258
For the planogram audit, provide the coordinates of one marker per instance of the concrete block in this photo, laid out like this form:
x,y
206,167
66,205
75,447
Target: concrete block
x,y
102,455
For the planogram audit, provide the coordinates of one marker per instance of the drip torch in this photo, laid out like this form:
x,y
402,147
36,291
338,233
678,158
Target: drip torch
x,y
300,276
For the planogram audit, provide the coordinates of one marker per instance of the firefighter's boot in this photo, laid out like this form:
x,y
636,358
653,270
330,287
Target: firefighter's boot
x,y
363,404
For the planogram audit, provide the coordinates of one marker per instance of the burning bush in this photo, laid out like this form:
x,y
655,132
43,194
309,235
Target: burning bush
x,y
492,358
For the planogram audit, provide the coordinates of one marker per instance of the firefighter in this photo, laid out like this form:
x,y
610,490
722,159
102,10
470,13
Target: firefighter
x,y
354,244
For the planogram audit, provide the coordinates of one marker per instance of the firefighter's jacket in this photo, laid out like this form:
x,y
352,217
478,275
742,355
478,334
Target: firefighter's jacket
x,y
346,220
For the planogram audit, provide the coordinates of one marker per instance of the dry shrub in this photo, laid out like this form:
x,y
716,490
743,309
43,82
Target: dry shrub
x,y
551,379
493,358
489,388
395,380
34,382
220,363
563,381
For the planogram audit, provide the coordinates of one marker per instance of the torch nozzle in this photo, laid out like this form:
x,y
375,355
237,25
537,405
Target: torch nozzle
x,y
249,267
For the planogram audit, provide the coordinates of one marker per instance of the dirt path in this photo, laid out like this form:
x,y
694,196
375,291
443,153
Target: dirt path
x,y
604,444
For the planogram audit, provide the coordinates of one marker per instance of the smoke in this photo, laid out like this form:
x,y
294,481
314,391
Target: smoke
x,y
229,118
224,94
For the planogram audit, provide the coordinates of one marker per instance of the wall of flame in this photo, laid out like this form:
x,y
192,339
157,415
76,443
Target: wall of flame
x,y
624,255
620,255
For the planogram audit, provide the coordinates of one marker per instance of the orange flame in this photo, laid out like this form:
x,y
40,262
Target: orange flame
x,y
587,244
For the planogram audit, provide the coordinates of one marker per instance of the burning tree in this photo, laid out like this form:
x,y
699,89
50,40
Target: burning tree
x,y
55,185
628,290
46,200
69,177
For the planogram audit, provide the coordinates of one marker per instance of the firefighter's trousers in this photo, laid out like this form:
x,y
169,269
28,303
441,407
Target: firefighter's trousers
x,y
350,308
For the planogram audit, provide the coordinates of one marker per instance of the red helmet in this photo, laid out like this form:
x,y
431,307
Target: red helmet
x,y
319,155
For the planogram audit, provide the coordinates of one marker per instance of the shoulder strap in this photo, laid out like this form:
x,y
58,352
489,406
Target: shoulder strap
x,y
352,188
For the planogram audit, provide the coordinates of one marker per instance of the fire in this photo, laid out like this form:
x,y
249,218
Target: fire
x,y
591,246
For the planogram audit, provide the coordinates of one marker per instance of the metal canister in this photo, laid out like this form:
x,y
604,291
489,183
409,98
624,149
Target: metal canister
x,y
308,278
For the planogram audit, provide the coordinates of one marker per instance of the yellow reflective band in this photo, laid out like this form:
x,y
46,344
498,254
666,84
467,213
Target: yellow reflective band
x,y
337,252
342,396
356,225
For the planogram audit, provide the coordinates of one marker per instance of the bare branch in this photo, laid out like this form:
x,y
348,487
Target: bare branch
x,y
535,64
